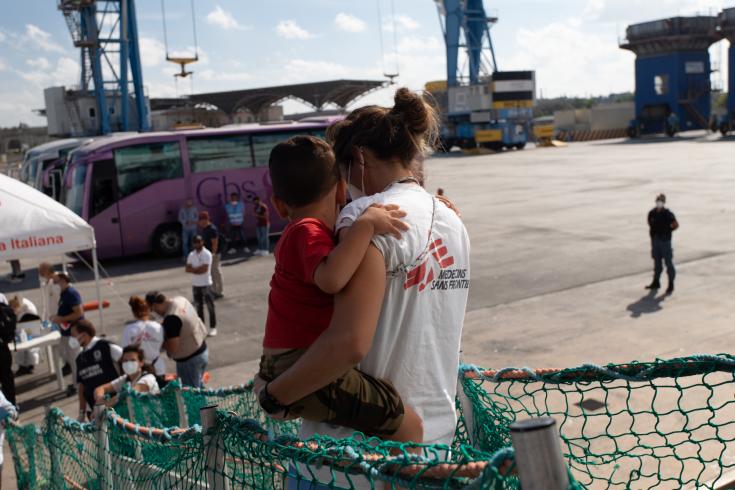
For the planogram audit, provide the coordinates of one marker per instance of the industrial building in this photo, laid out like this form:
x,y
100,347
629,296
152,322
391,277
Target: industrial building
x,y
672,72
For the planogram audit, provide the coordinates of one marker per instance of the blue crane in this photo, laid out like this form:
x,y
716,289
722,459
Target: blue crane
x,y
481,105
466,25
107,34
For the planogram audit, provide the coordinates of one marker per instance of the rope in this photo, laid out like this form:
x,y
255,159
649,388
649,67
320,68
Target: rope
x,y
658,424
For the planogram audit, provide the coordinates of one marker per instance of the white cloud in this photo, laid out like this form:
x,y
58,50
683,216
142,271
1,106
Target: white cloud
x,y
349,23
289,29
410,44
401,22
2,36
633,11
298,70
41,39
152,51
66,72
226,76
570,61
39,63
221,18
3,66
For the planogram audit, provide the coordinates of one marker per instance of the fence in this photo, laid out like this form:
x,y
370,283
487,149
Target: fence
x,y
661,424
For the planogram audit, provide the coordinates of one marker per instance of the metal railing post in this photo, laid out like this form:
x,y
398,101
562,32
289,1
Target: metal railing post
x,y
104,461
131,417
538,456
215,459
181,407
57,476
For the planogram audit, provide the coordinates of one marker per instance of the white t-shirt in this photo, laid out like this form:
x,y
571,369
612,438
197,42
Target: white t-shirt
x,y
50,293
417,340
196,259
147,379
149,336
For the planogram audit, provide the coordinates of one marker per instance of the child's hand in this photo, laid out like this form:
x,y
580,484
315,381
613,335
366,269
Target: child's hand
x,y
386,219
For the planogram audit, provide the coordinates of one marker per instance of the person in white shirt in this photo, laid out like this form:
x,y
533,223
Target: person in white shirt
x,y
137,373
401,315
199,265
146,334
50,291
28,359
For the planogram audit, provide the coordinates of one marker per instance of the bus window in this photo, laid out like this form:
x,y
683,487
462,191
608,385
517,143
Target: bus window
x,y
104,190
264,143
74,197
142,165
219,153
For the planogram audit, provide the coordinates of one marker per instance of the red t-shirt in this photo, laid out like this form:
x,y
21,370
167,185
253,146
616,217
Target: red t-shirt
x,y
298,311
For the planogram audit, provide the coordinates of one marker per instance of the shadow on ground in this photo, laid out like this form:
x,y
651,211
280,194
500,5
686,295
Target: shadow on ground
x,y
647,304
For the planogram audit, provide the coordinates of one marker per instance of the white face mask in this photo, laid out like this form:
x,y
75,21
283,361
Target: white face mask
x,y
74,343
659,204
130,367
234,203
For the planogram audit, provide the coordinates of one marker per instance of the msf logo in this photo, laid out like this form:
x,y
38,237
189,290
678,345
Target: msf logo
x,y
423,274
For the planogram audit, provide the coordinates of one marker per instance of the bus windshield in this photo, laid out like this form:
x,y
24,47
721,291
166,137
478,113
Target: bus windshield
x,y
75,188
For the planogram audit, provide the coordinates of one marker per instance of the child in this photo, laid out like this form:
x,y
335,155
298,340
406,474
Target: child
x,y
307,190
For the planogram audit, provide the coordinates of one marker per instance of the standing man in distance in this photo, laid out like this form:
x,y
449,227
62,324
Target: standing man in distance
x,y
188,216
198,265
262,226
210,235
184,336
69,312
235,210
661,223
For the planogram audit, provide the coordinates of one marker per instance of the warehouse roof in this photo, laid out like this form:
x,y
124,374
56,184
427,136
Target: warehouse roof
x,y
316,94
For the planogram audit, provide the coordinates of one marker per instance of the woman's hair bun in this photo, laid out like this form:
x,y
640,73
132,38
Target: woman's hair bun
x,y
413,110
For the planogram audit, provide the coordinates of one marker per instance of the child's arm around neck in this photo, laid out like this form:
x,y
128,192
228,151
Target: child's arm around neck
x,y
340,265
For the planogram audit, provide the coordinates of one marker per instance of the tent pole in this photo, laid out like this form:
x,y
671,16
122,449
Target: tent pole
x,y
63,264
97,285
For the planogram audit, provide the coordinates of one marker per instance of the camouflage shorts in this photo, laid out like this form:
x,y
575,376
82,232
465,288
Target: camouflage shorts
x,y
355,400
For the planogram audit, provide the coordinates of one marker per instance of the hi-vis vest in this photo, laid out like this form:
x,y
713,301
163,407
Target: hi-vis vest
x,y
193,330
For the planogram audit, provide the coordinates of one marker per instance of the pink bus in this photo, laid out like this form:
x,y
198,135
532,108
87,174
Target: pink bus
x,y
130,187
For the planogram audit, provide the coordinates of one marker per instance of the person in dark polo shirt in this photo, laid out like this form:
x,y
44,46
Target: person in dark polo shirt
x,y
662,223
70,310
96,364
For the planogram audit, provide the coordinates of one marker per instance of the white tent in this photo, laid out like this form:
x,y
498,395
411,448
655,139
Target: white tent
x,y
32,225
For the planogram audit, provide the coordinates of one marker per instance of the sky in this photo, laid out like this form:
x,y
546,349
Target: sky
x,y
572,45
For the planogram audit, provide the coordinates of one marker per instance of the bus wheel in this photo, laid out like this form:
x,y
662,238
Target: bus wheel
x,y
167,241
520,146
724,128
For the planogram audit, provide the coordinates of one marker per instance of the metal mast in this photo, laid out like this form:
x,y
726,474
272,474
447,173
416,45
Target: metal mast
x,y
107,34
466,25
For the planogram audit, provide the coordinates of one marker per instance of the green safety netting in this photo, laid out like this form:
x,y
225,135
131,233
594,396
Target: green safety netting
x,y
661,424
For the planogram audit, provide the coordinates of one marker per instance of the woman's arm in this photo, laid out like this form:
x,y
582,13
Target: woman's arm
x,y
101,391
346,341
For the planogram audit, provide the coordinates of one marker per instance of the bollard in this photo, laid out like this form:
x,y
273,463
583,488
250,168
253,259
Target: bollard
x,y
181,407
103,448
57,475
215,462
538,455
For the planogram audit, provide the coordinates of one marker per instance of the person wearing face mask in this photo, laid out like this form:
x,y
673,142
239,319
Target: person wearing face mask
x,y
96,364
662,223
69,311
235,210
137,374
400,316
